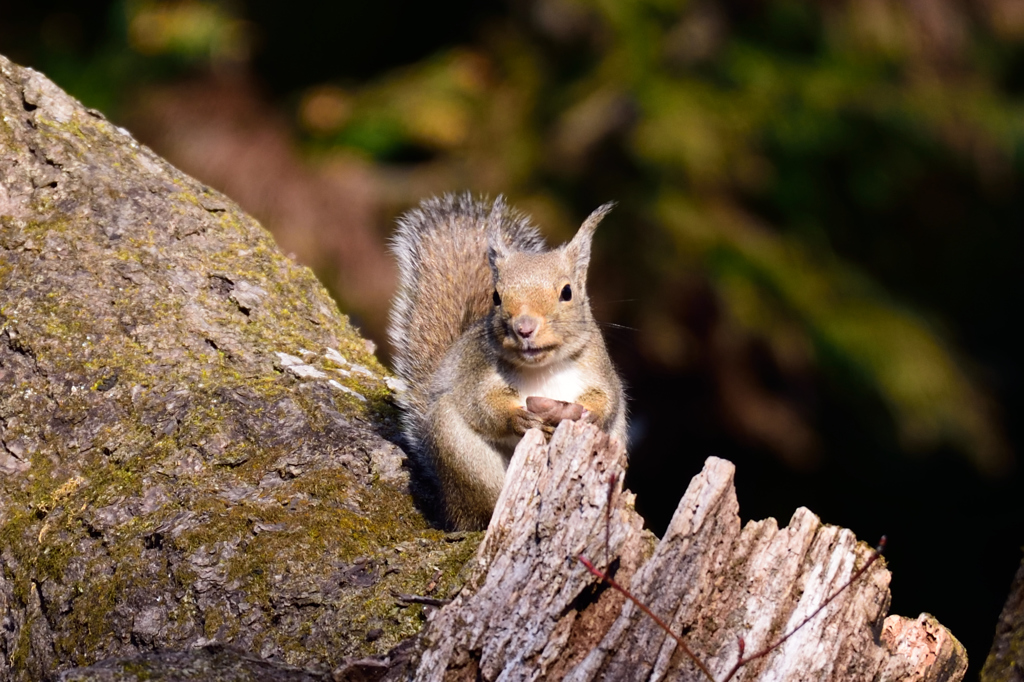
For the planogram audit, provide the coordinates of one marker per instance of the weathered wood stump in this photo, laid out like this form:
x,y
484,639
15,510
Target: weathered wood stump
x,y
531,610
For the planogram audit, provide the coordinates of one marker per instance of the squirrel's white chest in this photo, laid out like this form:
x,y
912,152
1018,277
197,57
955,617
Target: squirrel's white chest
x,y
562,381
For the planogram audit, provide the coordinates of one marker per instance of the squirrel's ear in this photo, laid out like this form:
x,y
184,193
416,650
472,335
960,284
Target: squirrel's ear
x,y
578,250
497,243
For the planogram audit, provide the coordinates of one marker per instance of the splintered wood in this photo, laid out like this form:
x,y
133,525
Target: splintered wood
x,y
532,611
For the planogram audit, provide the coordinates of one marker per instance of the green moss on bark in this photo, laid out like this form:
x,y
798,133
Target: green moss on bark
x,y
178,480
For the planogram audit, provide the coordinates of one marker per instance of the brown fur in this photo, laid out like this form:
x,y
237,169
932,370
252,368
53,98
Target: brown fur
x,y
470,364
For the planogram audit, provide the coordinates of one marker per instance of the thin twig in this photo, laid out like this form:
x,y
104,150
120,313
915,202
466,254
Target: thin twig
x,y
640,605
417,599
741,661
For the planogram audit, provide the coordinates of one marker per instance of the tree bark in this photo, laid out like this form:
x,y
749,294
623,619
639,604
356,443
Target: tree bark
x,y
190,431
1005,661
531,610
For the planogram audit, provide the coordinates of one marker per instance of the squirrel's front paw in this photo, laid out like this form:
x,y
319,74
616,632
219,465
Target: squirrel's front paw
x,y
524,420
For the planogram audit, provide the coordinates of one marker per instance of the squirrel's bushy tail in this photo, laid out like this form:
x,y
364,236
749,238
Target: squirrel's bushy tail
x,y
445,284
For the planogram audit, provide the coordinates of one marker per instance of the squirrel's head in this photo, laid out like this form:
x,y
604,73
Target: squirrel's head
x,y
541,309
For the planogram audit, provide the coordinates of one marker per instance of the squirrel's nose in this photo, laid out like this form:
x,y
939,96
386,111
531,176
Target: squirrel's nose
x,y
525,326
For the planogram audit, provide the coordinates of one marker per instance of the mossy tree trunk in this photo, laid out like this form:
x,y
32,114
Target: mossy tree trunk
x,y
190,432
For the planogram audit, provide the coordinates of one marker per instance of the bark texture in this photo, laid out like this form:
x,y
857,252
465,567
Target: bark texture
x,y
190,432
1005,662
531,610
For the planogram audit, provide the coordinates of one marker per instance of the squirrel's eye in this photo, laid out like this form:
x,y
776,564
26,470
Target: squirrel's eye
x,y
566,294
497,299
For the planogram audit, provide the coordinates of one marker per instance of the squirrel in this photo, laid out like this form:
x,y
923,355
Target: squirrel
x,y
493,335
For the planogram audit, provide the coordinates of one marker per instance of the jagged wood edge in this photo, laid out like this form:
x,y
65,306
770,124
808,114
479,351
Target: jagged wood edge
x,y
530,610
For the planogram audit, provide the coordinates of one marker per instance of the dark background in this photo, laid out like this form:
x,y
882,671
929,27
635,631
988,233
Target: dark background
x,y
813,268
